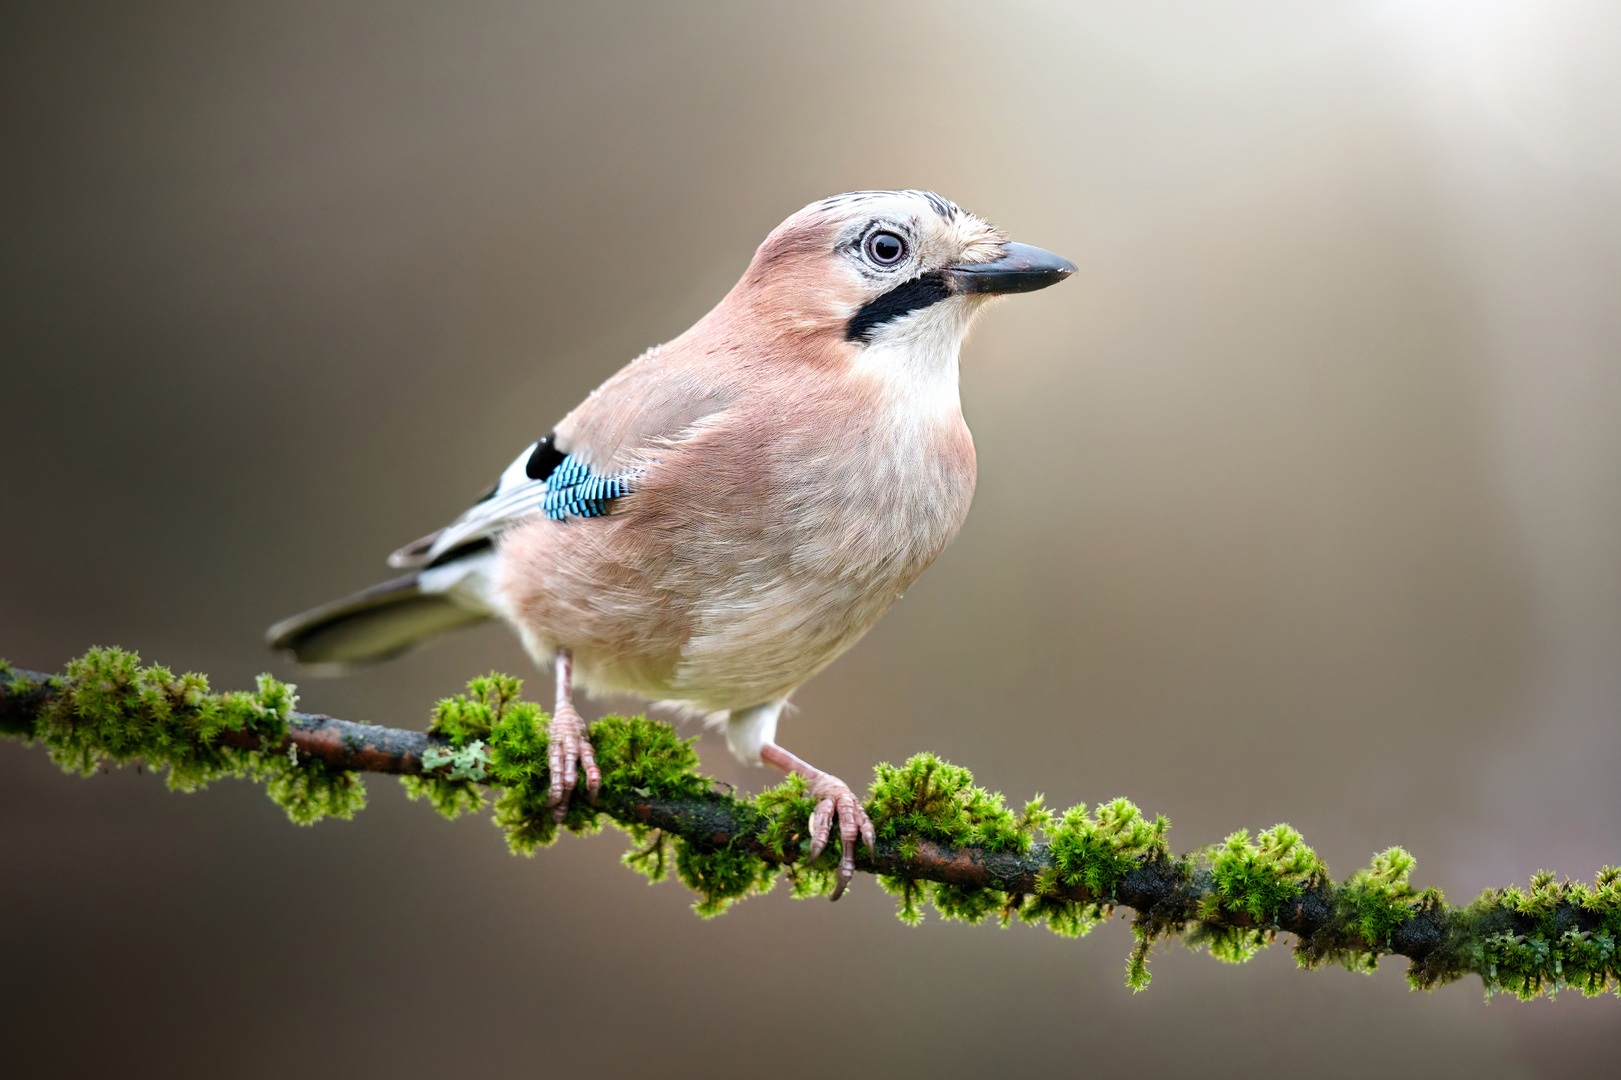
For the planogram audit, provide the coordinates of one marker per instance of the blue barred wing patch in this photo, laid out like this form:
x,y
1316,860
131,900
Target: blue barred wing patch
x,y
573,490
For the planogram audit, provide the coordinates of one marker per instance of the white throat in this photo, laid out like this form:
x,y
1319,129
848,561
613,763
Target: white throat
x,y
914,358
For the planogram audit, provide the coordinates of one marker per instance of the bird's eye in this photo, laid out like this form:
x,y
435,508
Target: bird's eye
x,y
885,248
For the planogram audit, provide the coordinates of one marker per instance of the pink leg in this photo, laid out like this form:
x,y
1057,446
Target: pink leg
x,y
567,745
833,797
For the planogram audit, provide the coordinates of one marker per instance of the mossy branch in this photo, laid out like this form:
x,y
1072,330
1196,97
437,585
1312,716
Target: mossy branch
x,y
942,839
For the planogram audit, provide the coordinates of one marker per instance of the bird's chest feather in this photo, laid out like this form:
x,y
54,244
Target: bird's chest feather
x,y
901,469
847,508
875,500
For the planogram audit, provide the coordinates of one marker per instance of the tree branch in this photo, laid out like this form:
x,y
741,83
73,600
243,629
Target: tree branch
x,y
1231,898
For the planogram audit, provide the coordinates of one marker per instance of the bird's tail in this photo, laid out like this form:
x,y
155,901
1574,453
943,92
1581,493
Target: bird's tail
x,y
380,622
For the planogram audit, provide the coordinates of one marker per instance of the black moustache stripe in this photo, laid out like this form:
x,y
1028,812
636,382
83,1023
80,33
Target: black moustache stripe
x,y
903,299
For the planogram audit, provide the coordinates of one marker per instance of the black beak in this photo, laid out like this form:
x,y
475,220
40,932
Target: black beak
x,y
1021,268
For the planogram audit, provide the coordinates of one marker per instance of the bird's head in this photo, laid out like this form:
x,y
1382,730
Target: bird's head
x,y
880,270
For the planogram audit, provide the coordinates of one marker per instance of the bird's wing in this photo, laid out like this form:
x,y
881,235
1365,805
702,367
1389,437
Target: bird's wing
x,y
654,398
515,495
587,462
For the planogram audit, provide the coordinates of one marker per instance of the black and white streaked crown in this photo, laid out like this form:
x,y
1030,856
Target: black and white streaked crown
x,y
942,206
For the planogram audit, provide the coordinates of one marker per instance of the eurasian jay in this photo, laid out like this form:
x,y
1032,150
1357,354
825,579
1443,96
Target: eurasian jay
x,y
732,510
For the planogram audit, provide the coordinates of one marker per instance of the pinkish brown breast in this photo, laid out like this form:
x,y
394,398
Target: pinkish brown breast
x,y
756,548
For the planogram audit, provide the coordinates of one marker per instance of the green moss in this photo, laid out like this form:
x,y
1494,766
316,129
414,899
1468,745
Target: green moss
x,y
1229,899
1380,897
453,784
1369,909
1137,974
783,827
931,800
647,758
452,798
1259,878
1097,851
785,812
1066,918
1229,944
721,876
474,715
113,711
517,742
454,790
1552,936
961,903
314,790
651,859
496,736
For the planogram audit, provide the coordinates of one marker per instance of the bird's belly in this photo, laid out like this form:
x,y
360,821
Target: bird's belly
x,y
689,625
760,643
784,616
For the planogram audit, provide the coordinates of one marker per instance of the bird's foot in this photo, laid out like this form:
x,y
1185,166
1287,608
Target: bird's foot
x,y
834,799
568,749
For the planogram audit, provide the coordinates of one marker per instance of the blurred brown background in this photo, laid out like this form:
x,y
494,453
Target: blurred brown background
x,y
1301,502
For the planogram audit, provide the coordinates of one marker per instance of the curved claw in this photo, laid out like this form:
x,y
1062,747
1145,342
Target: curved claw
x,y
834,799
567,751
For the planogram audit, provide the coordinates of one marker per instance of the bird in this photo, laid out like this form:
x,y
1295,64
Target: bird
x,y
732,510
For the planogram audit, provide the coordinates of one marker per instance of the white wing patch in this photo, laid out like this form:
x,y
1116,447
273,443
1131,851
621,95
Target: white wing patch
x,y
515,497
